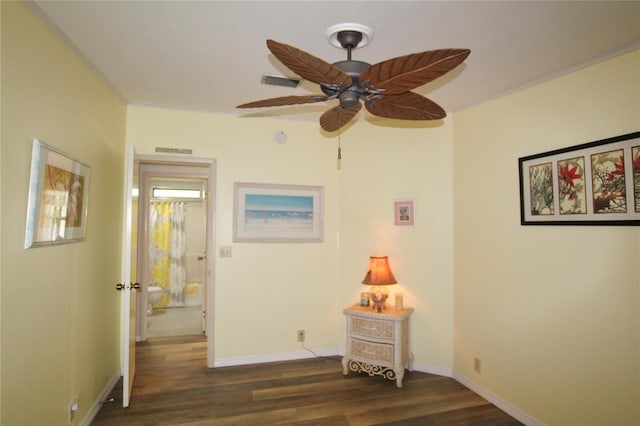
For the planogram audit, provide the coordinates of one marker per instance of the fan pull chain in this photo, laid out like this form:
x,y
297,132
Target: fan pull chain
x,y
339,151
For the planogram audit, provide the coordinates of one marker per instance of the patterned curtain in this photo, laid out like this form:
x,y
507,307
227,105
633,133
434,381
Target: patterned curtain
x,y
167,246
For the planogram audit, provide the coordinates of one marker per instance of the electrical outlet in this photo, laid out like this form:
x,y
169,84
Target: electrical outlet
x,y
477,365
300,335
73,407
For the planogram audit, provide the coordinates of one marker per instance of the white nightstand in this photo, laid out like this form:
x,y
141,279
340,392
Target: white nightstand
x,y
378,343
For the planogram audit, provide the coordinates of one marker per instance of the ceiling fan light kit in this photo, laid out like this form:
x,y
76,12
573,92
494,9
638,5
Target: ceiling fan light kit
x,y
384,87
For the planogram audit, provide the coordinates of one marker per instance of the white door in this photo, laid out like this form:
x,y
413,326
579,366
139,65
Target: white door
x,y
129,287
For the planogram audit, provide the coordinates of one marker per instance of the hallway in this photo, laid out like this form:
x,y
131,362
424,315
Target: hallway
x,y
167,322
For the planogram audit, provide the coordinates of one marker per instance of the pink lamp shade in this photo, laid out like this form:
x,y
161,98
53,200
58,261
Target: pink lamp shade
x,y
378,276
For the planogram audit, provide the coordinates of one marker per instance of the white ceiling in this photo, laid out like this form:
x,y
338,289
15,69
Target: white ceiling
x,y
210,55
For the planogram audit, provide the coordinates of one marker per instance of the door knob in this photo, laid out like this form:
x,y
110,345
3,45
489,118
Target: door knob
x,y
134,286
119,286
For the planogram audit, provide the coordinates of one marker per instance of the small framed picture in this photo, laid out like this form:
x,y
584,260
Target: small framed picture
x,y
403,212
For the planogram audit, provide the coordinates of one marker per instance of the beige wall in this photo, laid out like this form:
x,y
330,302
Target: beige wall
x,y
552,312
383,164
60,320
266,292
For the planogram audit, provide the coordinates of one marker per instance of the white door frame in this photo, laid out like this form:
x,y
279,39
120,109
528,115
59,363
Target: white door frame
x,y
196,168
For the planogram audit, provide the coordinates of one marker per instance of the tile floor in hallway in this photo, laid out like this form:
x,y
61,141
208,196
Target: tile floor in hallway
x,y
178,321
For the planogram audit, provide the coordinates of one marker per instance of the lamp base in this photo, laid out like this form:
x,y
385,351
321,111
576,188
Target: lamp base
x,y
378,307
379,295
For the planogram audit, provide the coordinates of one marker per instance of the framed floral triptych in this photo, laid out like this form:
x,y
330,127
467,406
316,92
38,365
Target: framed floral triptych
x,y
596,183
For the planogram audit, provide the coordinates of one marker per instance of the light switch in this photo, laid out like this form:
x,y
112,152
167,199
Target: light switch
x,y
225,251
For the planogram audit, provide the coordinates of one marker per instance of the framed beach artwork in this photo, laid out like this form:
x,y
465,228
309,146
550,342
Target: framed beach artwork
x,y
58,197
596,183
278,213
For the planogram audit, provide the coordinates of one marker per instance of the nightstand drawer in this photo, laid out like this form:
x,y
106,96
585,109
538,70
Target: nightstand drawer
x,y
376,353
379,329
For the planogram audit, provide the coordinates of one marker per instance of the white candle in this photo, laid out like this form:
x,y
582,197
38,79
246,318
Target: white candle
x,y
399,301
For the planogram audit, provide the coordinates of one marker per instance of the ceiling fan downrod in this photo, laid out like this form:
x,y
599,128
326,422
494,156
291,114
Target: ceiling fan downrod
x,y
349,97
349,39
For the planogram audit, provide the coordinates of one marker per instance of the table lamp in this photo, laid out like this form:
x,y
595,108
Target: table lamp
x,y
378,276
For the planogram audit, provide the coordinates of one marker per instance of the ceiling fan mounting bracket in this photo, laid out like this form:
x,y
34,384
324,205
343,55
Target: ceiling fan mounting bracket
x,y
349,33
349,39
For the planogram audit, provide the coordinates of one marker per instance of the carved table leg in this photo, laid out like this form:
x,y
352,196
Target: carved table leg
x,y
399,375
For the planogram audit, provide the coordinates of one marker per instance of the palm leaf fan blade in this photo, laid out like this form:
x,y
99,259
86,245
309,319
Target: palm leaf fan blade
x,y
308,66
337,117
285,100
406,106
405,73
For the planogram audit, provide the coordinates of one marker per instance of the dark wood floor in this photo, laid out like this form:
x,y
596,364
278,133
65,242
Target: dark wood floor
x,y
173,386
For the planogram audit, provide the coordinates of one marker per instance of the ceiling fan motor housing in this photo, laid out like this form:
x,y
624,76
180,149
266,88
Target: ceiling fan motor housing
x,y
350,97
353,69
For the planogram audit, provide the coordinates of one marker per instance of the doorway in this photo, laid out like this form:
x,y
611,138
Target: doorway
x,y
175,257
175,216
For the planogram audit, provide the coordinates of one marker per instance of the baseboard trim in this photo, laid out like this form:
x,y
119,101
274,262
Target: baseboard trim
x,y
93,412
307,353
505,406
433,369
282,356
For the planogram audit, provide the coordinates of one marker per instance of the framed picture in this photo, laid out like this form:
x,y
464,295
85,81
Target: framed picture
x,y
596,183
267,213
58,197
403,213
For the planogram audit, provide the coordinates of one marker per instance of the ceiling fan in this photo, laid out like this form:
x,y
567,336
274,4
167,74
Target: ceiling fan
x,y
384,87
